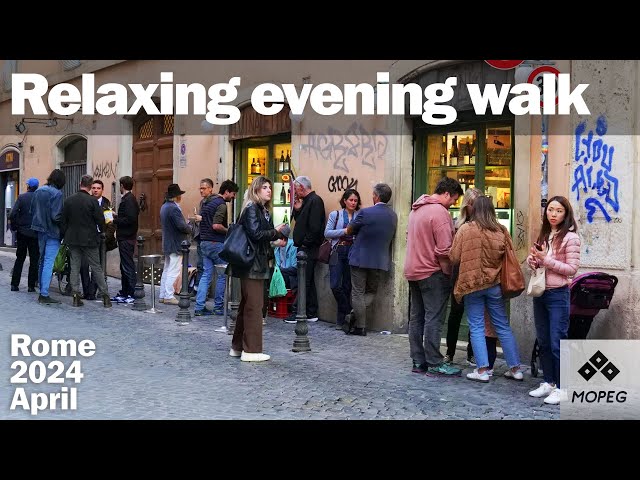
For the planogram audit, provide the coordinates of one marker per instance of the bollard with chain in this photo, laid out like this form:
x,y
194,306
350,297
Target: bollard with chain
x,y
301,342
139,303
184,316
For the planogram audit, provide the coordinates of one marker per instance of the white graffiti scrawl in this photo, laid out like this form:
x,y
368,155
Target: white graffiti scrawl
x,y
356,143
592,175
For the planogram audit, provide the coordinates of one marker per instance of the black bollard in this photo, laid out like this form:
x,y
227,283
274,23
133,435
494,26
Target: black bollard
x,y
184,316
139,303
301,342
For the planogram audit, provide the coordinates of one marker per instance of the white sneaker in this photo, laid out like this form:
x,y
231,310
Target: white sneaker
x,y
514,376
312,319
478,377
235,353
254,357
543,390
490,372
556,397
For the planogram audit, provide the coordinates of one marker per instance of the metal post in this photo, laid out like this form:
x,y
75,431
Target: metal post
x,y
544,165
234,303
184,317
139,303
103,256
301,342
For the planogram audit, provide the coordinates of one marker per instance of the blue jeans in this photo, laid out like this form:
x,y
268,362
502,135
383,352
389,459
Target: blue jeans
x,y
210,257
551,315
49,247
340,282
474,304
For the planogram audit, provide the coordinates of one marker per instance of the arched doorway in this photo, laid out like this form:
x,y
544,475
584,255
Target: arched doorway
x,y
73,149
9,186
152,167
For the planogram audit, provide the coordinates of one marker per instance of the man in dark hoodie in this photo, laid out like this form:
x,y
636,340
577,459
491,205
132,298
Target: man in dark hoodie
x,y
126,230
20,219
427,268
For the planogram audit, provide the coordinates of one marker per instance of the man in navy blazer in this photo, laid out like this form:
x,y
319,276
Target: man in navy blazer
x,y
374,229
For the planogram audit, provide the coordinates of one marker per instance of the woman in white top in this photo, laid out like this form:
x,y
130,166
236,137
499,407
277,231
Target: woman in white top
x,y
339,270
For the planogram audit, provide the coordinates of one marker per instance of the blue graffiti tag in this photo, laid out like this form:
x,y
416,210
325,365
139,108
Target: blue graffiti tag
x,y
593,172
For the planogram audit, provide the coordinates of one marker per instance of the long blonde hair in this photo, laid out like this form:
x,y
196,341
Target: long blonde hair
x,y
252,196
467,201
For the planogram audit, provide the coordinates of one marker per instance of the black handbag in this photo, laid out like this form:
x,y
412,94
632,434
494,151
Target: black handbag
x,y
237,249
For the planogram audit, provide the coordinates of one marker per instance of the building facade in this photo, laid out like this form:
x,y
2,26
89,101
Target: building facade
x,y
593,160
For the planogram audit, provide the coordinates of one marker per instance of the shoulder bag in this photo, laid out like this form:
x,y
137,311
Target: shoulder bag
x,y
238,250
537,282
511,276
324,253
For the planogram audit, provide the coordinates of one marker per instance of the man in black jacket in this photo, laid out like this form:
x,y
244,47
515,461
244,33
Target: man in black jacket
x,y
82,224
126,230
89,284
20,218
308,235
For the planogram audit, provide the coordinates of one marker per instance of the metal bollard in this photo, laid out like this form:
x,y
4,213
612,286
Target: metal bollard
x,y
139,303
184,316
301,342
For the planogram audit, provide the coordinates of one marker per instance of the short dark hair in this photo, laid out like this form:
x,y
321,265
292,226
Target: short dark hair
x,y
208,181
450,186
345,196
86,181
383,192
57,178
126,182
98,181
228,186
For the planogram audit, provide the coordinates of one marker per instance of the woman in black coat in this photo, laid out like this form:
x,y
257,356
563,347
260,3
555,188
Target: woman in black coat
x,y
258,225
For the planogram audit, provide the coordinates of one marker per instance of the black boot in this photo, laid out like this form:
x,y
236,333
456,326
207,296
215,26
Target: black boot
x,y
77,301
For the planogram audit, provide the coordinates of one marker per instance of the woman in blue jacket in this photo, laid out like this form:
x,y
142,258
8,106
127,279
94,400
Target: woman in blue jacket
x,y
339,270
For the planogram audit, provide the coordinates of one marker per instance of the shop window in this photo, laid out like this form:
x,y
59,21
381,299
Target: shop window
x,y
479,156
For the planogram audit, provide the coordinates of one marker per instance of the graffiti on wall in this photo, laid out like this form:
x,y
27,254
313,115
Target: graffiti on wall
x,y
342,149
593,180
341,183
104,170
521,240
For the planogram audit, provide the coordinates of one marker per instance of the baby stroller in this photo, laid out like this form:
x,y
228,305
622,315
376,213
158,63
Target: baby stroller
x,y
589,293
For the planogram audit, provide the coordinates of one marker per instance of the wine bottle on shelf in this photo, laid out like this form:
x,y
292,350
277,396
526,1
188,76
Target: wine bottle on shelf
x,y
253,166
443,152
286,218
287,161
263,167
288,195
466,153
281,163
454,152
472,160
282,196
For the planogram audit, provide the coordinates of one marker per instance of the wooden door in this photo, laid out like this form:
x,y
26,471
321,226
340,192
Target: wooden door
x,y
152,173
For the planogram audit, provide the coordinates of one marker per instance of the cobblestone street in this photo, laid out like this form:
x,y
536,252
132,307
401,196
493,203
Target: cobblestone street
x,y
148,367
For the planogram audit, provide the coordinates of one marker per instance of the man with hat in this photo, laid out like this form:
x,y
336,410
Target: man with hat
x,y
20,218
174,231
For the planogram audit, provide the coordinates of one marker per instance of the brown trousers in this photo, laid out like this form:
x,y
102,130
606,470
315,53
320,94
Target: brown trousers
x,y
247,335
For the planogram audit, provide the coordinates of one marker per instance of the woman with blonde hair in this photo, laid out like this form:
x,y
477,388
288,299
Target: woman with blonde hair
x,y
479,247
258,225
457,309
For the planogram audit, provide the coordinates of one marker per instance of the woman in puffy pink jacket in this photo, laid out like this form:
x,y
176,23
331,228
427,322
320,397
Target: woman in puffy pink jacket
x,y
558,251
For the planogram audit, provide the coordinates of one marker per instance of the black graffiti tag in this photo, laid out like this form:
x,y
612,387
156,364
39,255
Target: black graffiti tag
x,y
104,170
341,183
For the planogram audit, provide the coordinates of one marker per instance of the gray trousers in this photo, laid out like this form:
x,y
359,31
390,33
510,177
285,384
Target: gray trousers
x,y
428,307
92,255
364,285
